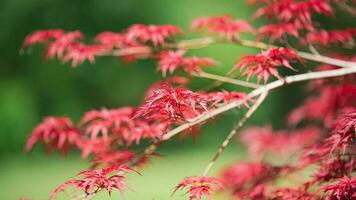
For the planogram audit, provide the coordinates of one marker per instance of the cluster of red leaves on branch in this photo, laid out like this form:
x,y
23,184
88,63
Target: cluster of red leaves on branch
x,y
93,181
325,38
169,61
56,133
151,33
68,47
98,130
260,141
294,18
248,179
198,187
180,104
299,13
277,31
177,104
331,96
332,158
265,64
225,26
106,134
345,188
331,154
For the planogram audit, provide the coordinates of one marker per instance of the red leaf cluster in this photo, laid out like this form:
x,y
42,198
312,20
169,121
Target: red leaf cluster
x,y
56,133
174,104
68,47
42,36
64,45
337,143
121,124
114,40
225,26
246,180
156,34
292,194
265,64
298,13
113,158
198,187
345,129
326,38
345,188
96,146
263,140
277,31
93,181
226,97
169,61
326,104
334,168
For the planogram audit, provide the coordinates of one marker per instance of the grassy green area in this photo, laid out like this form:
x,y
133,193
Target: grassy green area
x,y
34,176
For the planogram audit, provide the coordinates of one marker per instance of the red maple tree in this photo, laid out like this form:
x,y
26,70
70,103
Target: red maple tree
x,y
320,135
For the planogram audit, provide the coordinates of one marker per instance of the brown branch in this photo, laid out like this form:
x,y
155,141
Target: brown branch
x,y
233,132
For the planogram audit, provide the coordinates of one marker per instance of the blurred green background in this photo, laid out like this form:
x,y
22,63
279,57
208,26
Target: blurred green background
x,y
32,87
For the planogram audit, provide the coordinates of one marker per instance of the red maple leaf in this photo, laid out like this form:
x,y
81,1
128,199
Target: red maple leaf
x,y
56,133
172,104
225,26
265,64
169,61
157,34
326,38
277,31
198,187
345,188
94,181
42,36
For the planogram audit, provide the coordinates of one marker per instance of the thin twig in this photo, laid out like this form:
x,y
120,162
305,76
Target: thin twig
x,y
205,41
233,132
305,55
202,74
192,43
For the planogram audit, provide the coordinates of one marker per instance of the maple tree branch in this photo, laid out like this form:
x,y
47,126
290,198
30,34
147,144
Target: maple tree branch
x,y
205,41
350,67
260,45
327,60
224,79
265,88
259,91
233,132
192,43
131,51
